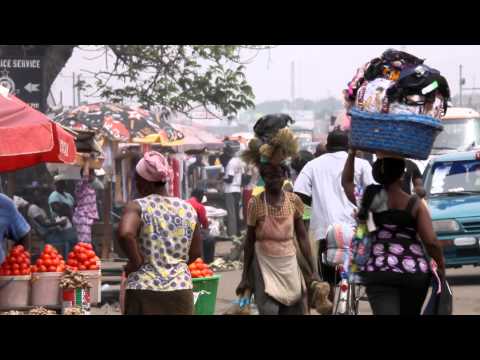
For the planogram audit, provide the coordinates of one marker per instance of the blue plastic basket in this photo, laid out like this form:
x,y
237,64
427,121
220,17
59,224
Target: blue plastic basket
x,y
408,135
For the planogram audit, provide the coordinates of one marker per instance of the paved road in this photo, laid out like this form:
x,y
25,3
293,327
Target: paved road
x,y
464,282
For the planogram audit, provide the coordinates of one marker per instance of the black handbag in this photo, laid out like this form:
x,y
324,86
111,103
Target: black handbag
x,y
441,300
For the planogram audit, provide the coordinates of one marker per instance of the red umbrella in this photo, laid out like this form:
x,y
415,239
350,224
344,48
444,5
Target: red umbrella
x,y
28,137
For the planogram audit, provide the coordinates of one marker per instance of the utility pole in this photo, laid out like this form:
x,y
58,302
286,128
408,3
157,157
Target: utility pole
x,y
462,81
73,89
78,90
292,90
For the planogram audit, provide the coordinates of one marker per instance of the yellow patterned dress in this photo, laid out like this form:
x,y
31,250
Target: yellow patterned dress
x,y
165,238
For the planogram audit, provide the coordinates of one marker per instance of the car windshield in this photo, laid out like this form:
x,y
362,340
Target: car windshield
x,y
457,134
454,177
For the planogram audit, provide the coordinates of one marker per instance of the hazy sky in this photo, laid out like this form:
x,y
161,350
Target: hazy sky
x,y
320,70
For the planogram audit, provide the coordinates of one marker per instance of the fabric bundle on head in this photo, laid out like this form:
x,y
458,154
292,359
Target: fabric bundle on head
x,y
153,167
274,144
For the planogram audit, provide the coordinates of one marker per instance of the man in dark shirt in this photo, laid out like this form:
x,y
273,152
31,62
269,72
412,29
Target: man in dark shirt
x,y
413,177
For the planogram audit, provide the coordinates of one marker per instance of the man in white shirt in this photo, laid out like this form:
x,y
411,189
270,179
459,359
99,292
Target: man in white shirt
x,y
319,184
234,168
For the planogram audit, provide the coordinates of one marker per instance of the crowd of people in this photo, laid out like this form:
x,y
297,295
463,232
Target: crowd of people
x,y
61,219
286,208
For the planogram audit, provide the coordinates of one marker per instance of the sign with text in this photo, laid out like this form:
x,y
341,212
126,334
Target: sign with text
x,y
23,77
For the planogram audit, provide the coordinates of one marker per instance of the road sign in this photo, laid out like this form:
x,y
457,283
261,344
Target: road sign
x,y
23,77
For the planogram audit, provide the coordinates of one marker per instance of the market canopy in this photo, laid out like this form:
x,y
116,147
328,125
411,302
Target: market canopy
x,y
119,122
28,137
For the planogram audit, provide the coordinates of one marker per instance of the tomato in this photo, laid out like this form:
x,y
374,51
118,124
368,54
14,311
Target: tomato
x,y
16,272
15,266
93,267
72,262
192,266
34,268
27,254
39,262
25,272
196,273
90,254
82,267
48,262
198,260
42,268
46,256
52,268
82,257
24,265
8,273
77,248
55,262
71,255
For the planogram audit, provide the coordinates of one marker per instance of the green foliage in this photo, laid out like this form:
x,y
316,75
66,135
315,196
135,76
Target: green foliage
x,y
179,77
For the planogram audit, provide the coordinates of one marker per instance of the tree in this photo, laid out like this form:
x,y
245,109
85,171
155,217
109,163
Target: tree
x,y
178,77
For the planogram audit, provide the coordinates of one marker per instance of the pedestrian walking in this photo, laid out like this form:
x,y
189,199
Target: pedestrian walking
x,y
278,264
160,236
234,168
319,185
274,218
86,210
397,274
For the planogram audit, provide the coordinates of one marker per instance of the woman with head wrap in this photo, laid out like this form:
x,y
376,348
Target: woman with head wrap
x,y
278,263
397,274
160,236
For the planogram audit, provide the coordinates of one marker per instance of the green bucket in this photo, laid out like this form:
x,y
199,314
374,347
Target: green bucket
x,y
206,291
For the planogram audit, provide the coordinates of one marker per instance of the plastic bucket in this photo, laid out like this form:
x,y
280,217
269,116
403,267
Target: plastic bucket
x,y
14,291
45,289
205,292
94,278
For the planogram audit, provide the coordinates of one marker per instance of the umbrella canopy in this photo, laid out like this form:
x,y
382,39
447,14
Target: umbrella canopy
x,y
119,122
197,139
29,137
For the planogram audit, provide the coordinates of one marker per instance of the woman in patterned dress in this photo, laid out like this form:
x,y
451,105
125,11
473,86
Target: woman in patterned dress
x,y
86,210
397,274
160,236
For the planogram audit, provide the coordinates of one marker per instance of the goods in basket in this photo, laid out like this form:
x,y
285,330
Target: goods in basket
x,y
41,311
398,83
17,263
49,261
199,269
73,280
83,258
395,103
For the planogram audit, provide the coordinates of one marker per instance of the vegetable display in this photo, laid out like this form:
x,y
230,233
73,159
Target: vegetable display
x,y
17,263
49,261
199,269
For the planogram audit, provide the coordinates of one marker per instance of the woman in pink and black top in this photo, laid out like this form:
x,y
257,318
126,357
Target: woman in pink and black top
x,y
397,274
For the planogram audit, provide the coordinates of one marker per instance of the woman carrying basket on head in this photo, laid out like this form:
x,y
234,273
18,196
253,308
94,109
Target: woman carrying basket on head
x,y
397,274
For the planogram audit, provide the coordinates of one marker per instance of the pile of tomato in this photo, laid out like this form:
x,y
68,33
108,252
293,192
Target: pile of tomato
x,y
199,269
49,261
83,258
16,263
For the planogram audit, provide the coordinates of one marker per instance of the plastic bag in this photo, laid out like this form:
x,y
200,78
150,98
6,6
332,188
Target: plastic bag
x,y
441,300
